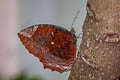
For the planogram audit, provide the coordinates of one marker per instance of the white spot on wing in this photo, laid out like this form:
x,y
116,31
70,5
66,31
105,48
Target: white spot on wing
x,y
52,42
52,33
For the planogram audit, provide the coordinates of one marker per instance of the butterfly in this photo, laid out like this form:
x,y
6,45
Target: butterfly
x,y
53,45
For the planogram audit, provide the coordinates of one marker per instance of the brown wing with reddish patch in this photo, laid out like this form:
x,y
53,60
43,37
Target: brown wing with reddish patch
x,y
54,46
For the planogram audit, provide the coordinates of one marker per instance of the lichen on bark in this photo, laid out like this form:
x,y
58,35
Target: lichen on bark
x,y
99,54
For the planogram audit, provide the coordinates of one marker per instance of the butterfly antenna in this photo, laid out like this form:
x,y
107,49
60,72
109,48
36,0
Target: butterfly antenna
x,y
75,19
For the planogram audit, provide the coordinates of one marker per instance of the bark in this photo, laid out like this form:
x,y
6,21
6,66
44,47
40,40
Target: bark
x,y
99,53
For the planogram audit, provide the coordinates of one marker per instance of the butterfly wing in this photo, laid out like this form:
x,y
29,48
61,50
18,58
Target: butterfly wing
x,y
54,46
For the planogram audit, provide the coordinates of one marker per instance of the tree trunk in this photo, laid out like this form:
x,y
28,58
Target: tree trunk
x,y
99,53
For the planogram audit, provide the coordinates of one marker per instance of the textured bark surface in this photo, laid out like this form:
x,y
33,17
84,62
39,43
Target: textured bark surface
x,y
99,55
